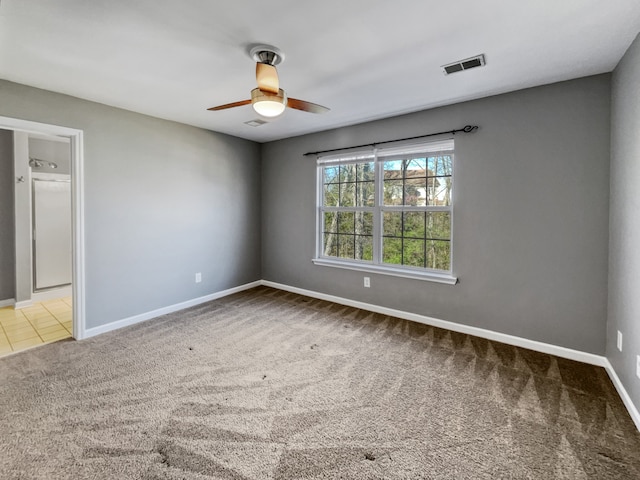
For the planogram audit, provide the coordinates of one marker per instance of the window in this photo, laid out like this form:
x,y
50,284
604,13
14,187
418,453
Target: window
x,y
388,210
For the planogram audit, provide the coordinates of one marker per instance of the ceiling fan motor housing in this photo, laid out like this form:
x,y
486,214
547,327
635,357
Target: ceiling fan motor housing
x,y
267,54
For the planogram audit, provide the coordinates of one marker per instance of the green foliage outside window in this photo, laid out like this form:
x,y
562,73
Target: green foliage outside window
x,y
419,239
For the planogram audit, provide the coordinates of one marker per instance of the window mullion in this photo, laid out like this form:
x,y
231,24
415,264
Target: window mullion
x,y
377,216
348,209
320,178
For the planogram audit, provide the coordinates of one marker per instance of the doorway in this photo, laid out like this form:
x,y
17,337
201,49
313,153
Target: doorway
x,y
51,226
52,274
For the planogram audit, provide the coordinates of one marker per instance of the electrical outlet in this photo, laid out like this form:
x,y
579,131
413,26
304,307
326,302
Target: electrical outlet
x,y
198,277
619,340
638,366
367,282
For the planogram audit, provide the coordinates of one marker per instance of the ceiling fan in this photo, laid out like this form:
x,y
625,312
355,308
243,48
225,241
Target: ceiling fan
x,y
268,99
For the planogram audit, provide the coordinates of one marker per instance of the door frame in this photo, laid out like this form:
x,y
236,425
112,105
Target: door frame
x,y
75,137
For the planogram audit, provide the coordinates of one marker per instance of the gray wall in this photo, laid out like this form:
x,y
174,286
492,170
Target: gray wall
x,y
624,228
7,232
163,201
51,151
22,217
530,215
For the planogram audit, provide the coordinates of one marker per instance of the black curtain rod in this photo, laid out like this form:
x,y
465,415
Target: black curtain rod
x,y
465,129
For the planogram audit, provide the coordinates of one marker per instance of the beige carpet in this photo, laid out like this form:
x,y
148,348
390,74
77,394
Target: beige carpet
x,y
266,384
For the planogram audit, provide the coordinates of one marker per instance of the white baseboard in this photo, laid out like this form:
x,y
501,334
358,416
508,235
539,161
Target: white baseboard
x,y
23,304
125,322
61,292
626,399
42,297
9,302
563,352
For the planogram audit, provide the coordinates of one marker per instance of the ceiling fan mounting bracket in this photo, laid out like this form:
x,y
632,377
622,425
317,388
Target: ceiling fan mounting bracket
x,y
266,54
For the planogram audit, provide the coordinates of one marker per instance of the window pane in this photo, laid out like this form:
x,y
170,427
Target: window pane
x,y
347,194
440,165
416,167
392,250
363,223
364,247
345,246
365,194
365,172
345,222
443,191
331,174
413,253
348,173
392,224
415,191
331,195
330,222
439,191
438,254
414,225
392,193
330,246
415,181
393,170
438,225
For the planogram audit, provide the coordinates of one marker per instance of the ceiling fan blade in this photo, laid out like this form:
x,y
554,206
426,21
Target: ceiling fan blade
x,y
267,78
306,106
230,105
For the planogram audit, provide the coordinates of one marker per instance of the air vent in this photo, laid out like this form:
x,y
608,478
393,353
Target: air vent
x,y
466,64
255,123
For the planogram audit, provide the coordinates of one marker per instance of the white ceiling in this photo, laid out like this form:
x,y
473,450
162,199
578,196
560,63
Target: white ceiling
x,y
364,59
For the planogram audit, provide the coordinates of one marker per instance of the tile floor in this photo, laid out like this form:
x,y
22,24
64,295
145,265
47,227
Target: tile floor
x,y
41,323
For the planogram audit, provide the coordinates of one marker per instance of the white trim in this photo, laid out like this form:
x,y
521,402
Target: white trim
x,y
626,398
49,138
23,304
76,141
28,126
56,177
9,302
379,156
77,206
563,352
52,294
384,270
125,322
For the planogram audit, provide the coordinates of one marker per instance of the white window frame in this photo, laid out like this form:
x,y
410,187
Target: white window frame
x,y
378,157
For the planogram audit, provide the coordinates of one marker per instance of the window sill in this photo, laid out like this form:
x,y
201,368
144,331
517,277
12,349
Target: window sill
x,y
385,270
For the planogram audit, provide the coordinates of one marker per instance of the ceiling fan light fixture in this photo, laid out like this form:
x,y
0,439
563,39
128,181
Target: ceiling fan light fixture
x,y
267,104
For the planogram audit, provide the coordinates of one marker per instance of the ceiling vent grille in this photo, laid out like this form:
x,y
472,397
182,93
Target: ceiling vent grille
x,y
466,64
